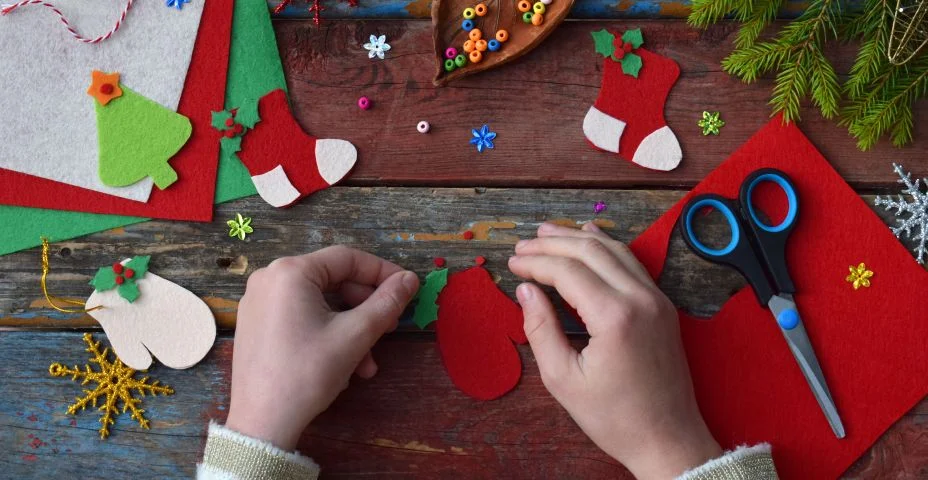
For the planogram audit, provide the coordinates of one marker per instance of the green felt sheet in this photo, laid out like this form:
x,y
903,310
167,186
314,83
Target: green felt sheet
x,y
254,69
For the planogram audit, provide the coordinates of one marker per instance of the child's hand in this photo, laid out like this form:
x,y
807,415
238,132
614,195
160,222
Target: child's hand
x,y
293,354
630,388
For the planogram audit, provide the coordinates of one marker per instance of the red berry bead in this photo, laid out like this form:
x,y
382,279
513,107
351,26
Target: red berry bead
x,y
238,128
106,89
230,122
439,262
480,260
129,273
120,280
117,268
468,235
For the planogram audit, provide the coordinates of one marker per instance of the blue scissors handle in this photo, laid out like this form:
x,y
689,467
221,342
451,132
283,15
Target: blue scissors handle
x,y
756,249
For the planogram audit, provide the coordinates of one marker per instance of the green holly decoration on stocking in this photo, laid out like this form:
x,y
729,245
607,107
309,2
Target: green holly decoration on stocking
x,y
137,136
620,49
122,277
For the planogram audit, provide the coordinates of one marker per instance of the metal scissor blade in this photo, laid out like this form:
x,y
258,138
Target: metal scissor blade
x,y
799,344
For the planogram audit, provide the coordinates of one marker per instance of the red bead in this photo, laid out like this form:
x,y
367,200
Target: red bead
x,y
439,262
117,267
468,235
230,122
480,260
627,47
120,280
129,273
238,128
229,133
106,88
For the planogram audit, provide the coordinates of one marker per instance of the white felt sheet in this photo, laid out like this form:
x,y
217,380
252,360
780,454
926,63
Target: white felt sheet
x,y
47,120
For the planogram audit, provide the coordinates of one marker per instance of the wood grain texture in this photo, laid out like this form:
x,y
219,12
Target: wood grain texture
x,y
536,104
583,9
409,421
410,226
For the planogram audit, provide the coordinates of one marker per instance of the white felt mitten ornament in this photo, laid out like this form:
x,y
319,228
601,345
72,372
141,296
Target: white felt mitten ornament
x,y
145,315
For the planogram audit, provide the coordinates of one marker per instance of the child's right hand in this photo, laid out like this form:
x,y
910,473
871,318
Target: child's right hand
x,y
629,389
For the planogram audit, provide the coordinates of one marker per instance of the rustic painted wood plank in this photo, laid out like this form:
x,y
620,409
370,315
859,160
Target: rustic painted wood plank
x,y
410,226
536,105
408,421
584,9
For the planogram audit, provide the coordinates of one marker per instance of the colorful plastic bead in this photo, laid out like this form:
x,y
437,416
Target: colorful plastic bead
x,y
480,9
470,46
460,60
502,36
493,45
538,19
538,7
423,127
476,56
481,45
451,52
524,6
364,103
449,65
467,25
469,13
475,34
527,17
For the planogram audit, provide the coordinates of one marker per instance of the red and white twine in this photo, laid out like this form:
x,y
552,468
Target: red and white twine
x,y
6,9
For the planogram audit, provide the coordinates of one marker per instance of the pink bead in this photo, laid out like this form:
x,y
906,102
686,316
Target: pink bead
x,y
451,52
364,103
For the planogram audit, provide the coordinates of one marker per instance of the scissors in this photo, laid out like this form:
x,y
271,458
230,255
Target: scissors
x,y
759,254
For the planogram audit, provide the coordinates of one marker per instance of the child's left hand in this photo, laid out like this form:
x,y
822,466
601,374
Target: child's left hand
x,y
293,354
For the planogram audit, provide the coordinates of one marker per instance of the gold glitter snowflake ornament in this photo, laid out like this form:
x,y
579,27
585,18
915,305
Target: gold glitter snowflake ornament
x,y
115,383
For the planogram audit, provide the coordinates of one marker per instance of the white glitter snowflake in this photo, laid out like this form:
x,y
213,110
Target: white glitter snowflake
x,y
377,46
917,210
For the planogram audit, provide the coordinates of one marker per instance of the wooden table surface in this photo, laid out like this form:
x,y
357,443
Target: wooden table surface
x,y
408,200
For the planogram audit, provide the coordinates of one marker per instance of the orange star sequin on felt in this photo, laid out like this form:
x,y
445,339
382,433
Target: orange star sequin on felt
x,y
104,86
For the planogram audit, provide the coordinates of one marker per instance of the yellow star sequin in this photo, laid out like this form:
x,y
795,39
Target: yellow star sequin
x,y
710,123
860,276
115,383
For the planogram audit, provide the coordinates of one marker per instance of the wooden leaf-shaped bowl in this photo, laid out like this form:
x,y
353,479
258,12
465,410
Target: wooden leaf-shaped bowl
x,y
447,16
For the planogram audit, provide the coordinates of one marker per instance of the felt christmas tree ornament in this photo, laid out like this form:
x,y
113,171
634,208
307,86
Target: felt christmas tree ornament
x,y
628,115
284,162
454,22
145,315
137,136
477,325
870,340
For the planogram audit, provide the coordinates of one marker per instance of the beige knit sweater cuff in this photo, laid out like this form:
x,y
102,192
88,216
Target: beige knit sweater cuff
x,y
229,455
754,463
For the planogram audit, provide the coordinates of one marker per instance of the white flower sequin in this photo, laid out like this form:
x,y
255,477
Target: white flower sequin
x,y
377,46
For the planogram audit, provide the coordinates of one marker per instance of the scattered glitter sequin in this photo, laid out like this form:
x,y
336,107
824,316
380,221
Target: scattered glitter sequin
x,y
240,226
600,207
711,123
860,276
483,138
377,47
178,4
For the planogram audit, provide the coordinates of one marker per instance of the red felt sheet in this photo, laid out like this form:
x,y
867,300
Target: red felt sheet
x,y
871,342
476,326
191,197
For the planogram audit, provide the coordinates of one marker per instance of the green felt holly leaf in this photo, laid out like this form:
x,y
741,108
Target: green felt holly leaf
x,y
247,114
631,64
230,146
129,290
426,310
105,279
633,37
603,40
219,120
139,265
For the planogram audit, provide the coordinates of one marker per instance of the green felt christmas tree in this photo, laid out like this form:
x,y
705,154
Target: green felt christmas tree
x,y
137,136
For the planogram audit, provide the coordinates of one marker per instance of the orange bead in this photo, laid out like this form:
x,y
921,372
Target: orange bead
x,y
469,46
475,34
502,36
476,56
481,45
480,9
537,19
524,6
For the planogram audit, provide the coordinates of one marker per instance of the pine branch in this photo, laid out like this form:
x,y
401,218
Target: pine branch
x,y
890,108
762,13
706,12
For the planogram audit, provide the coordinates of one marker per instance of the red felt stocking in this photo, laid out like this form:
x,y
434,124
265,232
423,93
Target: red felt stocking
x,y
285,163
628,116
476,326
